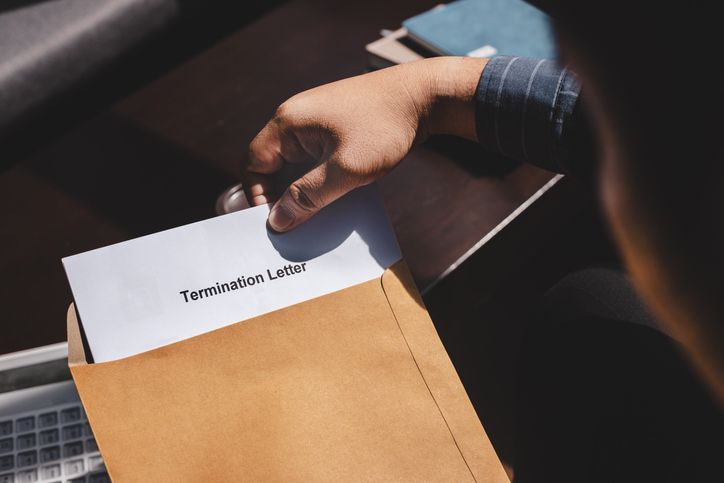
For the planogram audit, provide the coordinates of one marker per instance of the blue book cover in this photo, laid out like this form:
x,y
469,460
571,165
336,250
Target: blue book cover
x,y
484,28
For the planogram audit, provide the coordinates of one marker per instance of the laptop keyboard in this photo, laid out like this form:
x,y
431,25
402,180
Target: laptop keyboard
x,y
51,445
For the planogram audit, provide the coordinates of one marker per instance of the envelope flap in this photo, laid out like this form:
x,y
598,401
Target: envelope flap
x,y
76,352
440,375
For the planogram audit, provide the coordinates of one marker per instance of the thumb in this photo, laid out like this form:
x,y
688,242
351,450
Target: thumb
x,y
309,194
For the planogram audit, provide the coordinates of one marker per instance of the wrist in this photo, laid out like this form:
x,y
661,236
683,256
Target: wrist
x,y
452,82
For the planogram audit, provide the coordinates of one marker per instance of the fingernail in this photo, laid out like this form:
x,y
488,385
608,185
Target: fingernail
x,y
280,217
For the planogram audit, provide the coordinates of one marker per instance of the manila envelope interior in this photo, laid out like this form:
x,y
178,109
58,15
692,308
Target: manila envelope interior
x,y
350,386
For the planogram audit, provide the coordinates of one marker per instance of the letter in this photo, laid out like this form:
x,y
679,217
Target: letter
x,y
304,267
186,299
271,277
297,269
280,273
225,287
260,278
234,285
194,295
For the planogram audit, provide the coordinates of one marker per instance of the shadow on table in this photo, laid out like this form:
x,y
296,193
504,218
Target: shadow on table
x,y
134,179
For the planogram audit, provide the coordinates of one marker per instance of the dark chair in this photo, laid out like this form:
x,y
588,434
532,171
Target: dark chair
x,y
58,57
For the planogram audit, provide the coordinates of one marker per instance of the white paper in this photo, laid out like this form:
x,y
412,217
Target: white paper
x,y
130,296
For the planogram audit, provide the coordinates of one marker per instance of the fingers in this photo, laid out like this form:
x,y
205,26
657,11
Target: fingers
x,y
309,194
263,159
259,188
274,146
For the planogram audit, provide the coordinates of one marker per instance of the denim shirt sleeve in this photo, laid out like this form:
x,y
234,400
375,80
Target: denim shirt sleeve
x,y
527,110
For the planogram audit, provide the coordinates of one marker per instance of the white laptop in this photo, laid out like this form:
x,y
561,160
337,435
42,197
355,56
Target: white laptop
x,y
44,434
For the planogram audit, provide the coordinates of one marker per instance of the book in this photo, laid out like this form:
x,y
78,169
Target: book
x,y
484,28
389,50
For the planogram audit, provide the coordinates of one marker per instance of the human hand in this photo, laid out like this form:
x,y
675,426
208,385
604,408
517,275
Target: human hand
x,y
356,130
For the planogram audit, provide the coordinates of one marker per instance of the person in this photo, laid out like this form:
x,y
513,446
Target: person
x,y
624,404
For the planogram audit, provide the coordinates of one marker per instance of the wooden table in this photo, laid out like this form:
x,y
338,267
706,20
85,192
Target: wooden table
x,y
159,158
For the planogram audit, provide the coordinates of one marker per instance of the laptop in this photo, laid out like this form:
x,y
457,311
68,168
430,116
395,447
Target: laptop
x,y
44,433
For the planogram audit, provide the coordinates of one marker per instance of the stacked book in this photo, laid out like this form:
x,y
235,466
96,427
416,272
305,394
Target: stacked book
x,y
475,28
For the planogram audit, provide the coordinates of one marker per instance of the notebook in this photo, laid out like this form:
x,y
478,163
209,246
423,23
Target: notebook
x,y
389,50
484,28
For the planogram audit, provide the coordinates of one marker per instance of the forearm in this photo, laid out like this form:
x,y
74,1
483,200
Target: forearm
x,y
453,82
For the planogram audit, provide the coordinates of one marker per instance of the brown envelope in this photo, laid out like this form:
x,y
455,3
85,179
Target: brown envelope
x,y
351,386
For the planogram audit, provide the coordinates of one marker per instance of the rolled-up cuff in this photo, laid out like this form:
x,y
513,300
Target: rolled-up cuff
x,y
523,107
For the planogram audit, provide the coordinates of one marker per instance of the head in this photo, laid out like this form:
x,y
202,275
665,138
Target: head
x,y
654,90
